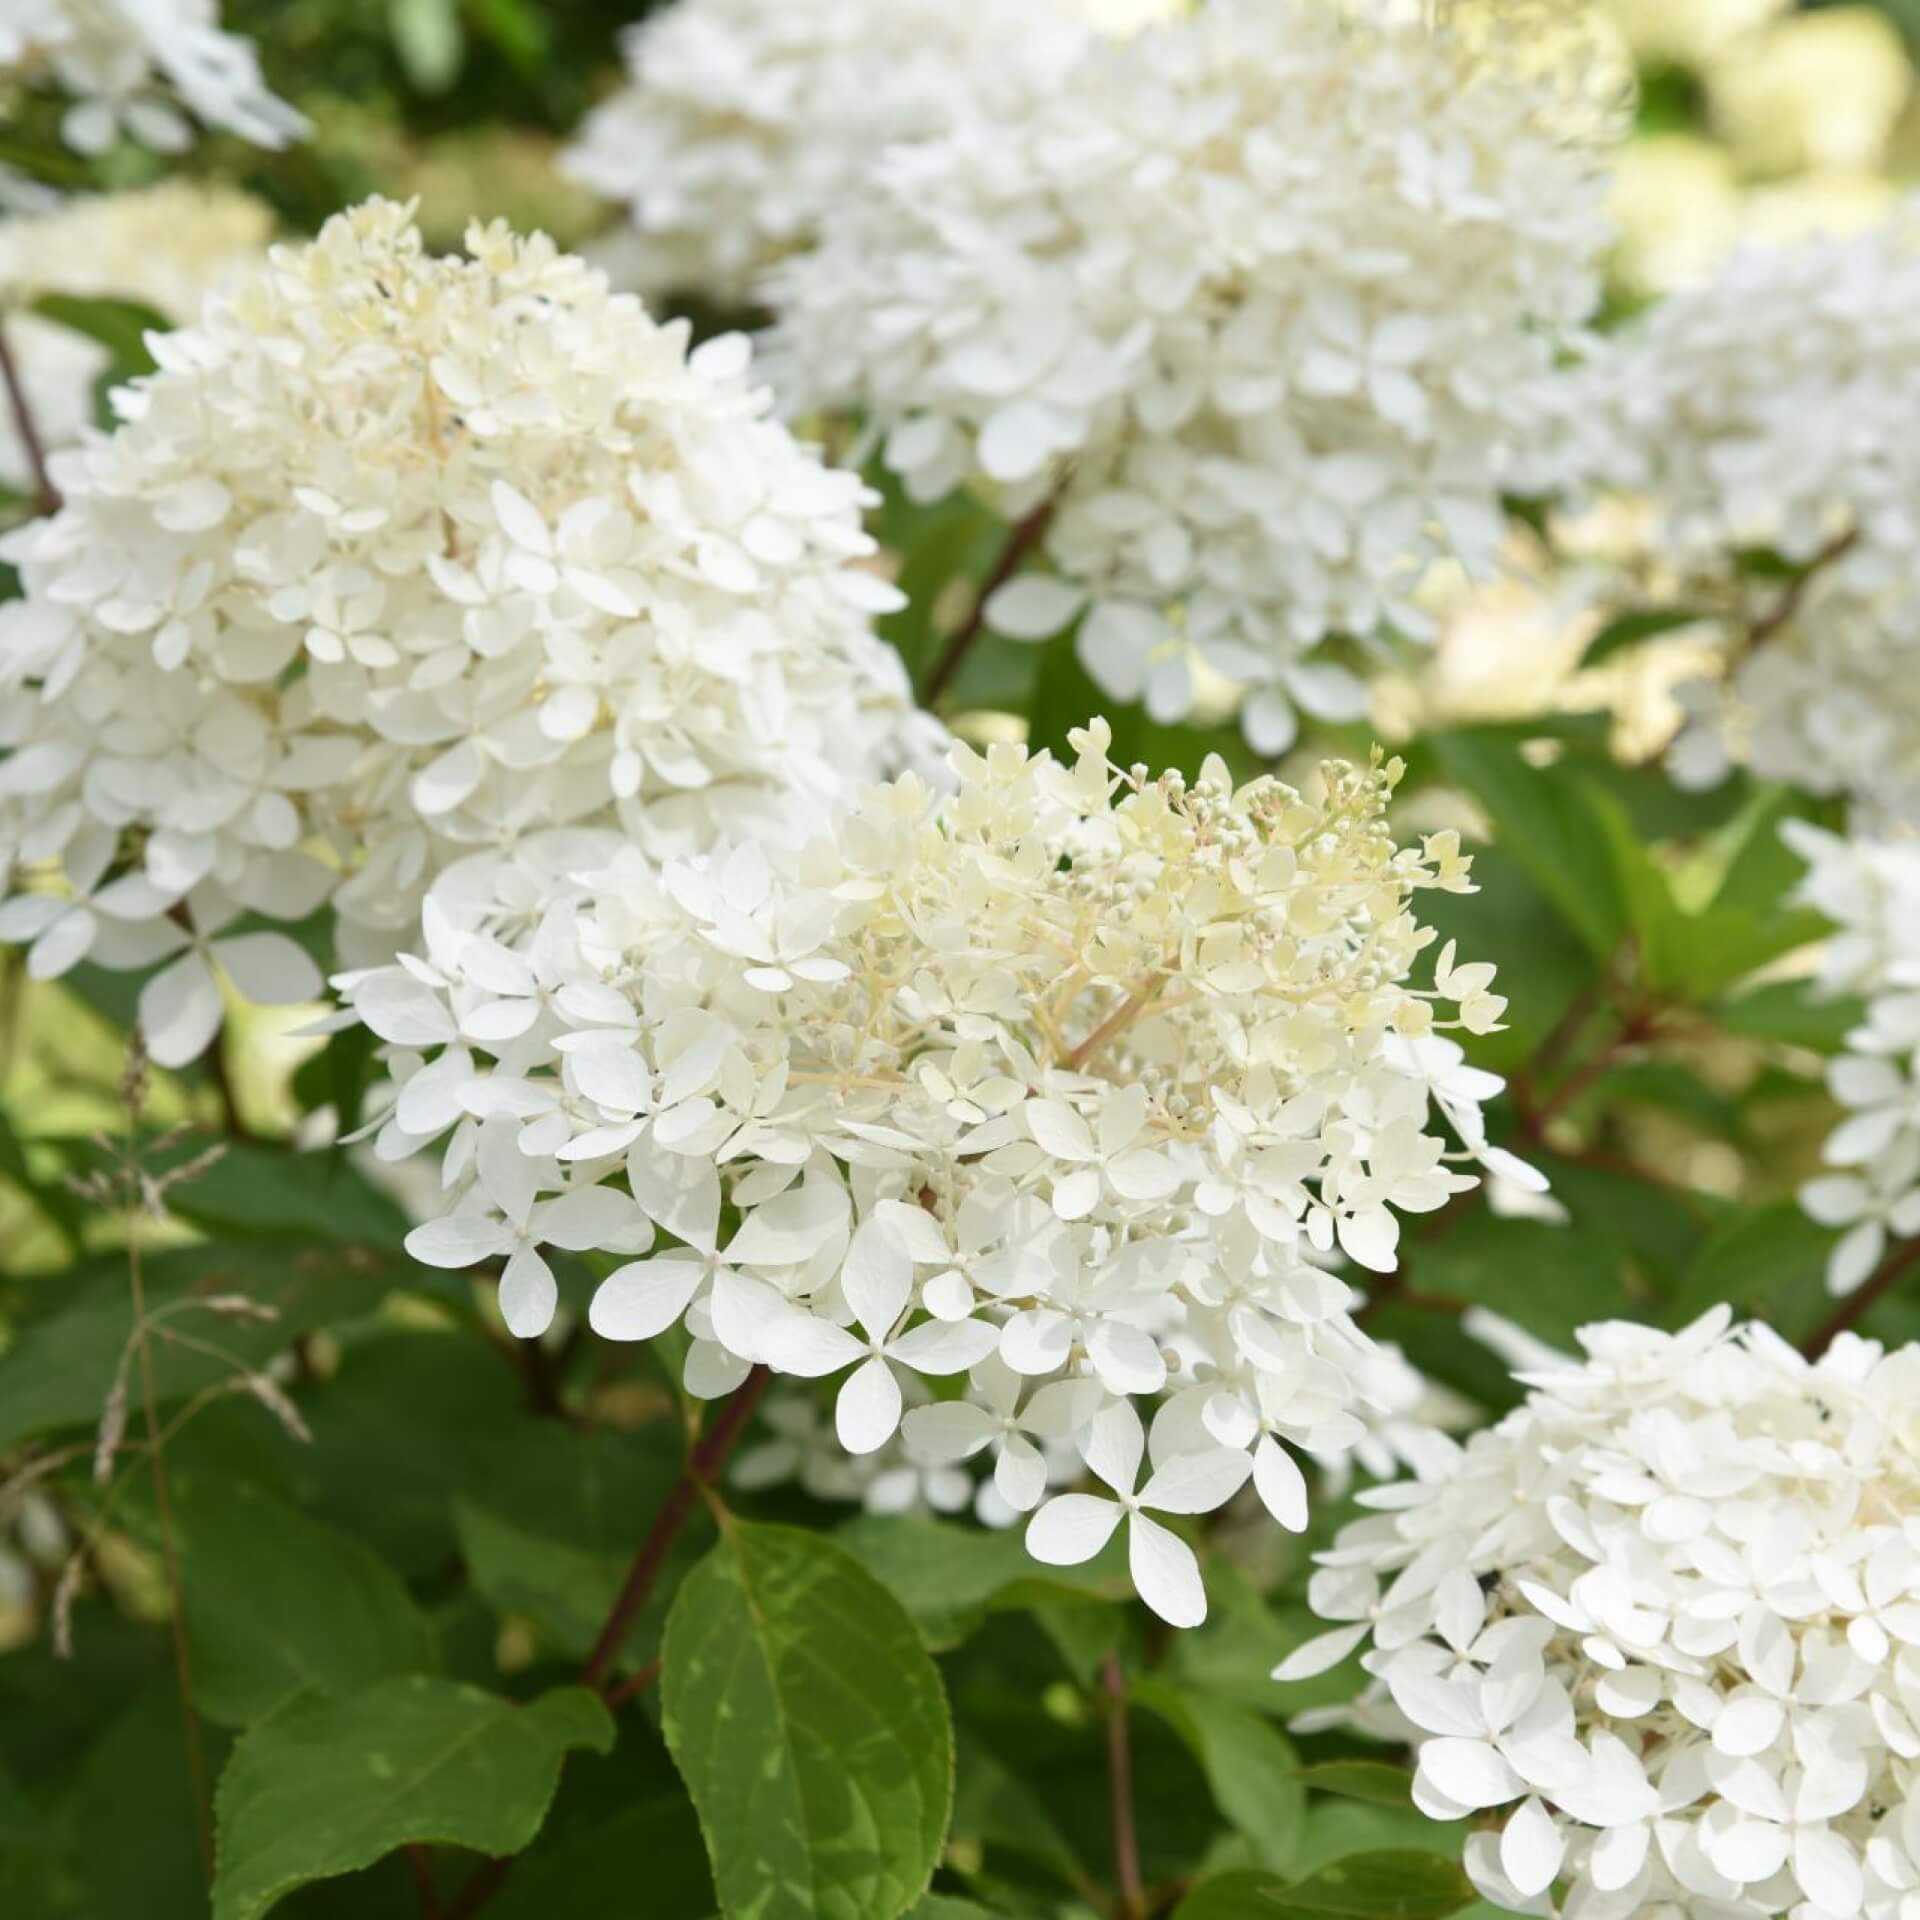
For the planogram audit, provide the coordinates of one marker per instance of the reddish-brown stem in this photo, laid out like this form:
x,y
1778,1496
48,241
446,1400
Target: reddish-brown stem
x,y
1783,609
1020,542
1638,1026
709,1452
635,1684
482,1884
708,1455
420,1864
1130,1893
1853,1309
46,494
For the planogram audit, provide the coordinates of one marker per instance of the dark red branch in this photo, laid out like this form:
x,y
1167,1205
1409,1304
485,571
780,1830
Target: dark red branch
x,y
46,494
1130,1893
1020,542
1853,1309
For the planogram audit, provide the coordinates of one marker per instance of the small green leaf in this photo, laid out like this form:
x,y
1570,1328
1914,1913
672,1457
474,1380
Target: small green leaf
x,y
1370,1780
1769,1263
1362,1886
325,1787
276,1603
256,1190
1388,1885
549,1519
1252,1769
121,326
1793,1012
429,40
811,1729
949,1578
1630,629
1545,818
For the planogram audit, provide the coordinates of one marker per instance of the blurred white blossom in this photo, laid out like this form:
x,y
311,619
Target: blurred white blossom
x,y
1870,889
1072,1083
1765,414
401,564
1257,309
748,126
132,66
1663,1613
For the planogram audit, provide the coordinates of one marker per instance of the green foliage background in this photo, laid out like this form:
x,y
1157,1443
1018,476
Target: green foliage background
x,y
400,1536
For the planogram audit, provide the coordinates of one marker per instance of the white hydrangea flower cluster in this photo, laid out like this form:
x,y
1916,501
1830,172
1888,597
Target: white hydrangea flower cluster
x,y
1764,411
399,562
1258,311
1076,1068
1670,1607
163,247
747,124
1870,889
132,65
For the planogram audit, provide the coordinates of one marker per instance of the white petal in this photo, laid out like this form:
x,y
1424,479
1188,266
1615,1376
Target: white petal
x,y
180,1011
1322,1653
1531,1848
1165,1573
1127,1359
1196,1482
1469,1772
1070,1528
877,1278
868,1409
1112,1446
643,1298
1280,1483
460,1240
947,1430
1034,606
1020,1474
945,1346
527,1295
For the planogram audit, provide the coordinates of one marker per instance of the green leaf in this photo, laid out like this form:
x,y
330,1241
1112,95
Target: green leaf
x,y
1770,1263
1370,1780
256,1190
1251,1766
1631,629
949,1578
1390,1885
593,1872
429,41
325,1787
811,1729
57,1373
133,1819
1364,1886
121,326
1545,818
276,1603
1792,1012
549,1521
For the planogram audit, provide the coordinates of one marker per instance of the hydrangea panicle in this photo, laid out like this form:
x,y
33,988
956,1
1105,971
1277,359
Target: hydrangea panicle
x,y
1657,1624
1074,1082
401,564
1260,307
